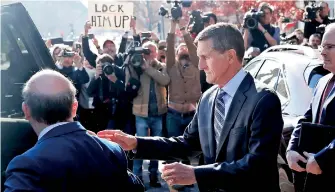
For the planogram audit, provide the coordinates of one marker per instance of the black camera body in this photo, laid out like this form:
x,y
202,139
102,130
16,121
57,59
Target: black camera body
x,y
108,68
66,53
311,11
176,10
251,19
321,29
135,55
197,21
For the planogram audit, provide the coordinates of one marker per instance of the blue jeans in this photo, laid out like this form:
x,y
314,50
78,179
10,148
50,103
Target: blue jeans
x,y
142,126
176,123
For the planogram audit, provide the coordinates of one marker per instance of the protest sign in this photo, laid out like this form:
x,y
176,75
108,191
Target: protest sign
x,y
110,15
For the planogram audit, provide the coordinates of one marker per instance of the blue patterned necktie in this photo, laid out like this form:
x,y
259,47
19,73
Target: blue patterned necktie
x,y
219,116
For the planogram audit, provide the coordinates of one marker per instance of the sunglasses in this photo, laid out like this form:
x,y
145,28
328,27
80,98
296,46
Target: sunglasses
x,y
161,47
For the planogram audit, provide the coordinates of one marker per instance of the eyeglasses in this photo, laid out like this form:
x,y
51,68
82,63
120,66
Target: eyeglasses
x,y
327,47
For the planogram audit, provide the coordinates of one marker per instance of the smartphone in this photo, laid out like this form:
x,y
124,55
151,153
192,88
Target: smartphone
x,y
146,34
90,36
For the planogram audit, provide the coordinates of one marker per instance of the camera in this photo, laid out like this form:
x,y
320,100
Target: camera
x,y
176,12
197,21
66,53
321,29
289,39
135,54
251,19
108,68
311,11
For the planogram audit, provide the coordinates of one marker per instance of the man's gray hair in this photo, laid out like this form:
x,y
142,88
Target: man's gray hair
x,y
49,108
148,44
224,36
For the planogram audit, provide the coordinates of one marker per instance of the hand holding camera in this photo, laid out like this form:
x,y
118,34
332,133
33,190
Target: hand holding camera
x,y
146,64
98,71
87,27
77,60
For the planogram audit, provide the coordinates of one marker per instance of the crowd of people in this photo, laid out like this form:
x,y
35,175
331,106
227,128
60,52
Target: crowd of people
x,y
196,94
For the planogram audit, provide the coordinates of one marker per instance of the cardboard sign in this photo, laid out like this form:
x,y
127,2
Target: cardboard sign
x,y
110,15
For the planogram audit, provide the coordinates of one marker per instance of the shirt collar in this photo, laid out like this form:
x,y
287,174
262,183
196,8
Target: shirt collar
x,y
50,127
231,87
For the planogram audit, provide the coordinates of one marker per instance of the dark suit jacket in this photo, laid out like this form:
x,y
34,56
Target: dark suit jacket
x,y
246,159
325,157
68,159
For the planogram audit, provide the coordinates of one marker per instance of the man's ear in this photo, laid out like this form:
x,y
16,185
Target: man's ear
x,y
74,109
231,56
26,111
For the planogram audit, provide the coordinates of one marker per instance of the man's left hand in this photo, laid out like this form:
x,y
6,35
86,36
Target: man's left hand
x,y
312,166
112,77
146,64
179,174
78,61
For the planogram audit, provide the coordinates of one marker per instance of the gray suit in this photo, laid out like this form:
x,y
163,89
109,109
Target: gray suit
x,y
246,157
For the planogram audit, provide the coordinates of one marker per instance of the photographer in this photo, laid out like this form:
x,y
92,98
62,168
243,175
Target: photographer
x,y
321,17
150,103
108,47
110,100
263,35
184,89
70,64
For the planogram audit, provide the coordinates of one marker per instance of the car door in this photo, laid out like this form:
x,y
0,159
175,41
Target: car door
x,y
23,53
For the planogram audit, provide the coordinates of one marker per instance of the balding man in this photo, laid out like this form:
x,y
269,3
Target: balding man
x,y
237,125
320,166
65,157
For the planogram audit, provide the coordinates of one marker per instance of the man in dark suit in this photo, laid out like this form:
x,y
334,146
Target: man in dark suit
x,y
65,157
237,125
320,166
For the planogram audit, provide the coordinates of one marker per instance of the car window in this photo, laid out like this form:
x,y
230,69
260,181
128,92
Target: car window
x,y
268,73
314,80
282,90
253,67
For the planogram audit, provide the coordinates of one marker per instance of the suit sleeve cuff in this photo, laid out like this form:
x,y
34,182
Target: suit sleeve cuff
x,y
322,158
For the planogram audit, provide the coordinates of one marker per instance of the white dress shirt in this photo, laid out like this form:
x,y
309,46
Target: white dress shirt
x,y
50,127
230,89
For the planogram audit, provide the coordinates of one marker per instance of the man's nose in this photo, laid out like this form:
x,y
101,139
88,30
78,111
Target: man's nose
x,y
202,64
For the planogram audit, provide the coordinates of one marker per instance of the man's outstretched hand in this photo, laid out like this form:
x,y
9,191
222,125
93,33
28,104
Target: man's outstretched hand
x,y
127,142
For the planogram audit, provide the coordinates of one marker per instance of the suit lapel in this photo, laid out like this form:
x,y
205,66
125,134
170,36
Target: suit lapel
x,y
234,109
318,97
329,99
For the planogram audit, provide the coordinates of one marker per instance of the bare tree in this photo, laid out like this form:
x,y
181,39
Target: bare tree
x,y
146,12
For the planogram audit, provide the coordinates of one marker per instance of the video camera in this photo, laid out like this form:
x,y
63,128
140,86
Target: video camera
x,y
251,19
176,12
197,21
135,52
311,12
